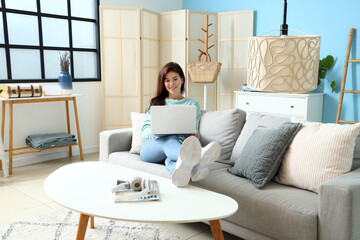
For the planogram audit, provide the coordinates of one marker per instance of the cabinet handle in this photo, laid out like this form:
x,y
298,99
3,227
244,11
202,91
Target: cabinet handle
x,y
247,103
292,106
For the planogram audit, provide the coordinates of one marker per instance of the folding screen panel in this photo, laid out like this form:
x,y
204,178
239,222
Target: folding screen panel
x,y
120,64
149,55
173,38
234,30
136,43
197,20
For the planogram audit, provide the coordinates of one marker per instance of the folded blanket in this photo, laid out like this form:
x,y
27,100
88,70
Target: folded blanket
x,y
42,141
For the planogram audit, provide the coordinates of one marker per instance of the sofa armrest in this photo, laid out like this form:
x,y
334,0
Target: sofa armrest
x,y
114,141
339,207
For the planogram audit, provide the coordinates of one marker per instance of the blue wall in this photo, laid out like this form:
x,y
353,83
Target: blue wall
x,y
331,19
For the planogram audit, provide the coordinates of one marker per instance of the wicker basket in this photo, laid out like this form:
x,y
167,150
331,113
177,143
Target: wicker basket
x,y
204,72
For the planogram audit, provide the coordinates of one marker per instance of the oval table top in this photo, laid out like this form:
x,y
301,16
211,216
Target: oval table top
x,y
85,187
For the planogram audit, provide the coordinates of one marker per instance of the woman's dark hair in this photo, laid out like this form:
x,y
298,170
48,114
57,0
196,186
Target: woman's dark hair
x,y
161,92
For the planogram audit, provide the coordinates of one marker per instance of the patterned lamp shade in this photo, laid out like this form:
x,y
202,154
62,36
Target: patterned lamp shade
x,y
283,63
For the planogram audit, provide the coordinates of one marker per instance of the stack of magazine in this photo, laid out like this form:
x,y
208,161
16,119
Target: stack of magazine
x,y
153,195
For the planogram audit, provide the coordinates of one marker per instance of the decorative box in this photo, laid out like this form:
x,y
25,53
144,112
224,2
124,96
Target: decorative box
x,y
20,90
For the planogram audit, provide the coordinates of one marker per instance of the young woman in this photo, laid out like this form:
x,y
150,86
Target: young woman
x,y
183,155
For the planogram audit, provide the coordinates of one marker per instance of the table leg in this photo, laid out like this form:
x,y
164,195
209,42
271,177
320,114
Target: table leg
x,y
2,128
216,229
10,137
4,160
83,222
68,123
78,128
92,222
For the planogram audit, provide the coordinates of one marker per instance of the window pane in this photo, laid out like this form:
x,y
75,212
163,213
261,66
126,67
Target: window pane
x,y
83,8
85,65
1,29
83,34
3,70
23,29
28,5
55,32
25,64
52,63
54,6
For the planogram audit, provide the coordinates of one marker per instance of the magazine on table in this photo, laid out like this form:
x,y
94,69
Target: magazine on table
x,y
131,195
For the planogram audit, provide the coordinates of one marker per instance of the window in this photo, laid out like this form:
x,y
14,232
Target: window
x,y
33,34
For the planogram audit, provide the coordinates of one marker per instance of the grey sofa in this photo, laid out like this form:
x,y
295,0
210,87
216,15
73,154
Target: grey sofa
x,y
273,212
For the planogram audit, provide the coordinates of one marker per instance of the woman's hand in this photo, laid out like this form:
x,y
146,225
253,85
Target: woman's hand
x,y
196,134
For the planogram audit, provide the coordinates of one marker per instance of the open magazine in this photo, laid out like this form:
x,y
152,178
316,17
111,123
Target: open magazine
x,y
128,195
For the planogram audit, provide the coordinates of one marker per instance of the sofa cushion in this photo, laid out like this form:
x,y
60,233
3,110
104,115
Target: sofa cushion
x,y
262,154
253,120
356,158
137,120
276,210
223,127
134,161
318,153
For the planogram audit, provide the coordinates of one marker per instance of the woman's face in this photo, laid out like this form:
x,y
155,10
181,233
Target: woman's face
x,y
173,83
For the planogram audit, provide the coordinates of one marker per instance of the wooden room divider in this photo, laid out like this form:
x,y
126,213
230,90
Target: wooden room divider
x,y
135,43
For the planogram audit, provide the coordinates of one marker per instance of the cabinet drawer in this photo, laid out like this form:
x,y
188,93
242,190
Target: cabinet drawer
x,y
273,105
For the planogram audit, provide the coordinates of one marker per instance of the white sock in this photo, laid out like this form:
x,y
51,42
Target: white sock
x,y
210,153
190,153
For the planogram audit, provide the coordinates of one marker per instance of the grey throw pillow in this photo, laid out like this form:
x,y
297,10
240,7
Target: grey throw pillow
x,y
223,127
262,154
253,120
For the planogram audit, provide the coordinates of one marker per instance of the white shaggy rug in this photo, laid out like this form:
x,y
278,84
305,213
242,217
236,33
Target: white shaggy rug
x,y
62,225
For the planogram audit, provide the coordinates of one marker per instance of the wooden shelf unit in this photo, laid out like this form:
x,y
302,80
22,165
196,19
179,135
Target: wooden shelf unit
x,y
24,150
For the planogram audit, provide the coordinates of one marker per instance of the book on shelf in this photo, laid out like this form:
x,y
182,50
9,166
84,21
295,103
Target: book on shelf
x,y
245,88
132,196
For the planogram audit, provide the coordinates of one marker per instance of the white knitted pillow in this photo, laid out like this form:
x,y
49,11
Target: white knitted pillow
x,y
137,120
318,153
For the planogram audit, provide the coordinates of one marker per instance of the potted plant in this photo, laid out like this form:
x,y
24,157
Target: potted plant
x,y
326,64
65,81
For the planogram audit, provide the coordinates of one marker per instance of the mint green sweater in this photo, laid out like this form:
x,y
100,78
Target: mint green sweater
x,y
146,127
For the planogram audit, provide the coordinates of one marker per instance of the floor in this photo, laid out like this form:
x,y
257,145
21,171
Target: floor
x,y
22,197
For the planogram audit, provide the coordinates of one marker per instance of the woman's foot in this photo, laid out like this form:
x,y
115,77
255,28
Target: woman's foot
x,y
190,153
210,153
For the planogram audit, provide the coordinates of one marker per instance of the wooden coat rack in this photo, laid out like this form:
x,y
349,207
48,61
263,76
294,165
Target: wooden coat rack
x,y
206,42
204,72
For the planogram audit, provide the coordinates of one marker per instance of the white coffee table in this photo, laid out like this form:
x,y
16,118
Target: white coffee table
x,y
86,188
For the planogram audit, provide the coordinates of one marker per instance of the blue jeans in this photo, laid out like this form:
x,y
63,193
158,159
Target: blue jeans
x,y
160,149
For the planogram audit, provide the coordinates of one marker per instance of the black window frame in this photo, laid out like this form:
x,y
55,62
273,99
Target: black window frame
x,y
7,46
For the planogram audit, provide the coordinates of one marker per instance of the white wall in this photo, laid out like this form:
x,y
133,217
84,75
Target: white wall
x,y
152,5
34,118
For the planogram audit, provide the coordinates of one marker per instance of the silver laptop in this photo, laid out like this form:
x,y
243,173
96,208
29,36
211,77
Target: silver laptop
x,y
168,120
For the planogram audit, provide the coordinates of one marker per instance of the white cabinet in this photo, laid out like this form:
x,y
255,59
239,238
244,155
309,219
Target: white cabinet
x,y
304,106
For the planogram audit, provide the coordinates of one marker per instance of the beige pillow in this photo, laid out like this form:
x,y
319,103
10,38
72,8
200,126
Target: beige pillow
x,y
318,153
137,120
